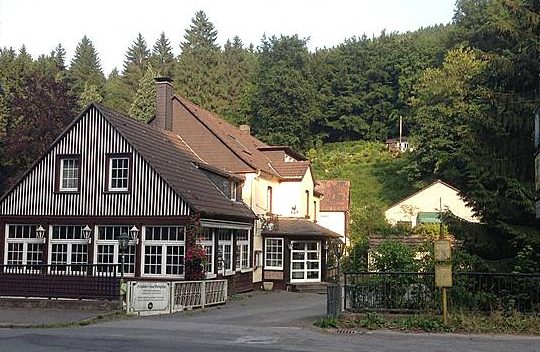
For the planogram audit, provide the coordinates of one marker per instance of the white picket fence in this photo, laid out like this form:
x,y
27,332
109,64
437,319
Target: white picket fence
x,y
195,294
147,298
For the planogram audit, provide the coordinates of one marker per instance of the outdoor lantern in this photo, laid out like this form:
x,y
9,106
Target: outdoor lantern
x,y
123,242
86,233
40,233
290,245
134,232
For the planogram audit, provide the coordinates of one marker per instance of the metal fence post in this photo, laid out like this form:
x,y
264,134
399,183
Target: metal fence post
x,y
333,300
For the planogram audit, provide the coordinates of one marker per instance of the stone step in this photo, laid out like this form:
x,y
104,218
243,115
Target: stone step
x,y
316,287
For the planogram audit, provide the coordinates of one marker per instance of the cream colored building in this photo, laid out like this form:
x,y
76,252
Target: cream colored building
x,y
277,183
424,205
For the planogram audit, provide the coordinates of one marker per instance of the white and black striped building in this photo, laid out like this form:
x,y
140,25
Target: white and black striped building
x,y
112,173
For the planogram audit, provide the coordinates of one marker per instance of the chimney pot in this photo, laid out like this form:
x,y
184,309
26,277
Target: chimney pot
x,y
245,128
164,94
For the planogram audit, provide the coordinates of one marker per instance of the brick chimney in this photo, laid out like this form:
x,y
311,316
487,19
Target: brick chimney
x,y
164,93
245,128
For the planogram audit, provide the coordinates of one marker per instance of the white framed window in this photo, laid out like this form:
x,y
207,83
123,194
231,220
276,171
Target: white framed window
x,y
107,249
163,250
22,245
242,250
273,258
118,173
68,248
207,242
69,173
225,248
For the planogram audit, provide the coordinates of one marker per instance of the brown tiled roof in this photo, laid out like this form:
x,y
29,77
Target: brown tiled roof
x,y
336,194
295,169
217,141
290,227
168,155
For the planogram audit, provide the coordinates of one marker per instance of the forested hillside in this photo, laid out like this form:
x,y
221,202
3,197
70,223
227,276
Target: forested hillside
x,y
466,89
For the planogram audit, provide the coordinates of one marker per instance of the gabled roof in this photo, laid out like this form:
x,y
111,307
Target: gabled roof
x,y
240,153
295,169
336,194
423,189
299,227
168,155
221,144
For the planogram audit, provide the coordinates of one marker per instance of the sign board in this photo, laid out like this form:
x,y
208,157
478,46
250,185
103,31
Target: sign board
x,y
443,275
443,251
149,297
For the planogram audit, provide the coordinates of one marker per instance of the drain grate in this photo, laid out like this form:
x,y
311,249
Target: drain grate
x,y
345,331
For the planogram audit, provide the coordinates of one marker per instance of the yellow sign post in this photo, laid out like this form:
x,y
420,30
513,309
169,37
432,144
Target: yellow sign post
x,y
443,271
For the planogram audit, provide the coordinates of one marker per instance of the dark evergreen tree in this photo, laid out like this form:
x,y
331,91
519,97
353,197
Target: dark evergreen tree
x,y
137,59
199,70
162,58
85,68
238,68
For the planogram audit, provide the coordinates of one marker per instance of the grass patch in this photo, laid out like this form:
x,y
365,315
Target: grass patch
x,y
494,323
327,322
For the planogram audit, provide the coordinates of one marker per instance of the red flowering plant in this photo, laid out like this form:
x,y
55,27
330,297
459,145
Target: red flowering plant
x,y
195,259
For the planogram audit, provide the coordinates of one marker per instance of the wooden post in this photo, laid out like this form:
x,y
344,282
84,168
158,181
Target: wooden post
x,y
444,306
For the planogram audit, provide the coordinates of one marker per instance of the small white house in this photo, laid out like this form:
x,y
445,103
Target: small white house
x,y
424,206
335,206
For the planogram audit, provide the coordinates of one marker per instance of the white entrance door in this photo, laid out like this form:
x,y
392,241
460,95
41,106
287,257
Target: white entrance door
x,y
305,261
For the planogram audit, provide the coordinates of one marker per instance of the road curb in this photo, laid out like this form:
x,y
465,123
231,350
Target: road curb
x,y
64,324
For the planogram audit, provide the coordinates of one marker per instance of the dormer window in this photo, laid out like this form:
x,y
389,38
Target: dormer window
x,y
289,159
118,173
69,173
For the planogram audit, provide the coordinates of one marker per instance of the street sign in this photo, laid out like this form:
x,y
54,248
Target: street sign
x,y
443,275
443,251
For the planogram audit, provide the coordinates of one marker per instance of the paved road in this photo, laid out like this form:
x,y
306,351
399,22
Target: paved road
x,y
278,321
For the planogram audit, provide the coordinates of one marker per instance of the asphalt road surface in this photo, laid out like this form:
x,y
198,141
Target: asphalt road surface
x,y
279,321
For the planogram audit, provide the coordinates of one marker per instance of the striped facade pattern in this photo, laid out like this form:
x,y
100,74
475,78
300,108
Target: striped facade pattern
x,y
93,137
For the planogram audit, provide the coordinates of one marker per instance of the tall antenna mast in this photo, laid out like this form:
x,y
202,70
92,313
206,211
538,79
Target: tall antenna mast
x,y
400,129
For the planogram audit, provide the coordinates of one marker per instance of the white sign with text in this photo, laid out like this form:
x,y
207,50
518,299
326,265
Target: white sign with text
x,y
149,297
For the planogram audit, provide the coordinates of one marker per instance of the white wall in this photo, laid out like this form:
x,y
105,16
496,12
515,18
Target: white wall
x,y
333,220
427,200
285,196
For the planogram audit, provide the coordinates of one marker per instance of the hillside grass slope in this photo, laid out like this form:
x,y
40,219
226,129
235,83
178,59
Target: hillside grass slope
x,y
375,175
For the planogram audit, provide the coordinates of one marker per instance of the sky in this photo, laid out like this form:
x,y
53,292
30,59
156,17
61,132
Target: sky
x,y
112,25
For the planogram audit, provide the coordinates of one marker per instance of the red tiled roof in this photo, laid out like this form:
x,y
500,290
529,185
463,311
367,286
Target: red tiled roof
x,y
336,194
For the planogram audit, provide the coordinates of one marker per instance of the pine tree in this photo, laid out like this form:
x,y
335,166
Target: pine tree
x,y
136,62
85,68
162,58
144,103
238,69
199,70
59,55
